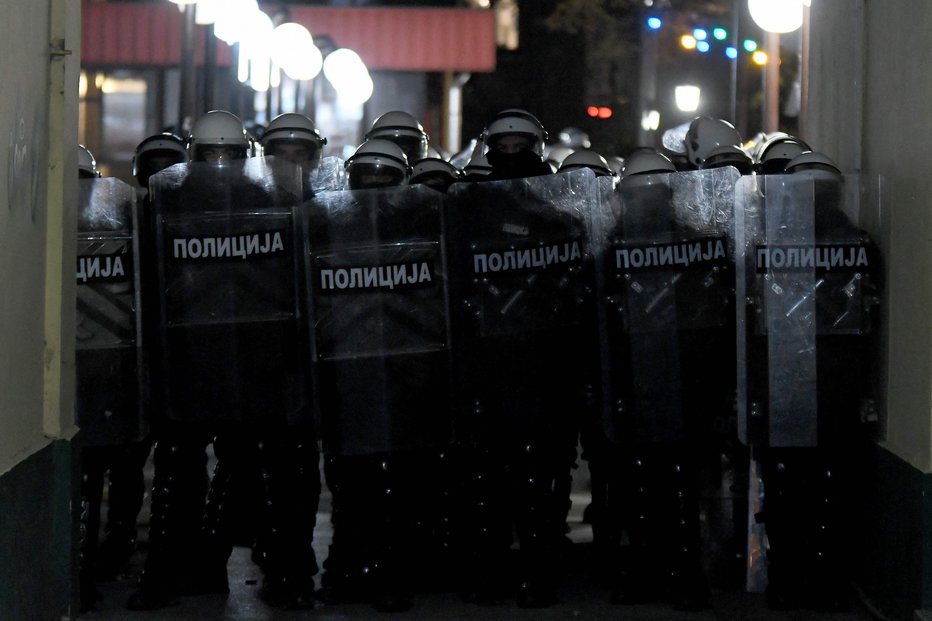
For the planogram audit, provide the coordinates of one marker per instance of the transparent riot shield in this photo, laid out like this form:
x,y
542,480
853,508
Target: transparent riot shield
x,y
232,293
808,277
328,175
377,269
603,218
108,400
777,389
665,284
523,303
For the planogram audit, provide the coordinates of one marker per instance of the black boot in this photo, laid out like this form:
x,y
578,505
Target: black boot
x,y
829,584
540,519
785,537
291,492
689,586
638,577
347,577
486,529
178,495
126,492
92,481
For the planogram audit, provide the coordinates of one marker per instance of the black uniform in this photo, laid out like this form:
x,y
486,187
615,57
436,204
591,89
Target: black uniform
x,y
378,273
109,397
232,365
522,310
668,307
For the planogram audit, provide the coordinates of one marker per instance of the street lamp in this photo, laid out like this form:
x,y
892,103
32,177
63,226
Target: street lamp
x,y
236,20
687,97
294,51
776,17
345,70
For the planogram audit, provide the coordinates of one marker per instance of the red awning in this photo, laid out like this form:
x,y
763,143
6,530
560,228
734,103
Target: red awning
x,y
115,34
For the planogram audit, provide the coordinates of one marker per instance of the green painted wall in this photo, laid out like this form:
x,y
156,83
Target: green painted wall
x,y
38,535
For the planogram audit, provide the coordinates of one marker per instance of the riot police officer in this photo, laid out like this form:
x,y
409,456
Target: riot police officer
x,y
224,376
373,427
706,134
295,138
435,173
813,279
405,131
775,151
515,140
592,441
108,353
125,462
155,153
667,322
518,407
586,158
377,163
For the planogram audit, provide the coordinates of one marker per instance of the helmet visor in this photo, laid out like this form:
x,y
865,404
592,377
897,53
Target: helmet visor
x,y
363,176
415,148
218,154
301,152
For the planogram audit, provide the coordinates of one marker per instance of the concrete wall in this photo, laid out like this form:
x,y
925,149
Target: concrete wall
x,y
38,121
38,186
870,107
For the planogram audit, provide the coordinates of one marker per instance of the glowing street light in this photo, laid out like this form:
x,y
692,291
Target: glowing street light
x,y
254,56
294,51
345,70
236,20
207,12
687,97
780,16
650,120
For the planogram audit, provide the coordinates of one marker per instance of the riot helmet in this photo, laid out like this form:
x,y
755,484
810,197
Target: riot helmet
x,y
87,165
435,173
706,134
584,158
404,130
729,155
775,153
155,153
293,137
816,163
646,161
555,154
377,163
218,137
515,130
478,166
646,192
